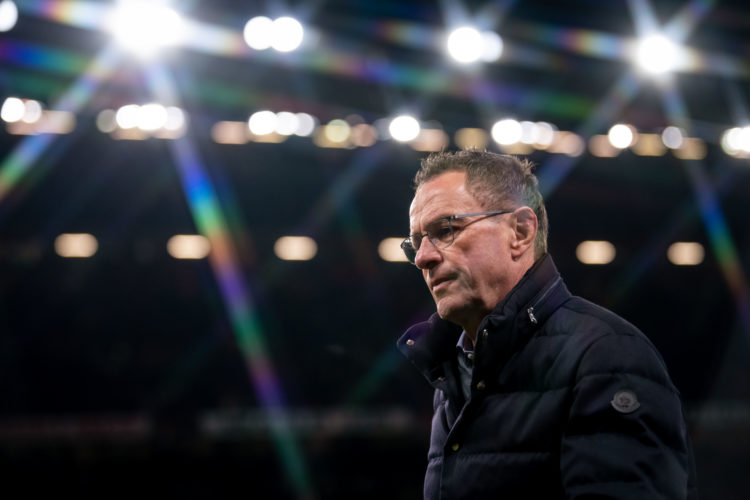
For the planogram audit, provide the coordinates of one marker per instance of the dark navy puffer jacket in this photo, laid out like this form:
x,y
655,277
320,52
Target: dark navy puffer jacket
x,y
568,400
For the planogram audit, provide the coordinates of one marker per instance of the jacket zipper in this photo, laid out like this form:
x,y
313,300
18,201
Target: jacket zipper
x,y
530,310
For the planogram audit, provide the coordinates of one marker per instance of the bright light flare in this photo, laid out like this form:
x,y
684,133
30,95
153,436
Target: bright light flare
x,y
13,110
595,252
144,27
506,132
686,253
188,246
175,119
657,54
258,33
621,136
468,45
492,46
288,34
404,128
390,250
262,122
128,116
284,34
8,15
151,117
295,248
76,245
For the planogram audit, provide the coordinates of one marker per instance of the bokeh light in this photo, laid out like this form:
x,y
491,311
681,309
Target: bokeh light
x,y
656,54
595,252
390,250
13,110
144,28
465,44
686,253
188,246
76,245
673,137
506,132
262,122
295,248
404,128
621,136
8,15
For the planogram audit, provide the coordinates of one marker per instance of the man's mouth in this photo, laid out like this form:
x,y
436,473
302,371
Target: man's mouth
x,y
440,283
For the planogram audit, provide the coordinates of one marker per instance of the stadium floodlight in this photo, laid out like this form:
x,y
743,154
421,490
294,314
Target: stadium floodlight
x,y
258,33
287,34
284,34
144,28
404,128
8,15
492,46
656,54
465,44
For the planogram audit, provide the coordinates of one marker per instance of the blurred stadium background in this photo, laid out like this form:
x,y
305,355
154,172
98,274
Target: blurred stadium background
x,y
199,203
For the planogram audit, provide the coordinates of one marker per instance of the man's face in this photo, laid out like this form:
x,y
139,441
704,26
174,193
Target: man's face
x,y
472,275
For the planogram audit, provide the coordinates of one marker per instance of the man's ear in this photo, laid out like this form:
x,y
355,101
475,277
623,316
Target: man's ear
x,y
525,227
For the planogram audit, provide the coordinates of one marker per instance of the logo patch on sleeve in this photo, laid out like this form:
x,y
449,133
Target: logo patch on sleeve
x,y
625,402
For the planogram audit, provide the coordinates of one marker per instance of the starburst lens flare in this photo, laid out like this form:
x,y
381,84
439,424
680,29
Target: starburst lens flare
x,y
465,45
8,15
404,128
657,54
144,27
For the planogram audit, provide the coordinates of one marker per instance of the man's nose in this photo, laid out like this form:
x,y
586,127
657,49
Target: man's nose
x,y
428,254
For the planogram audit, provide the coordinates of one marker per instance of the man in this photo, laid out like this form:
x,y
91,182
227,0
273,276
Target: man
x,y
538,393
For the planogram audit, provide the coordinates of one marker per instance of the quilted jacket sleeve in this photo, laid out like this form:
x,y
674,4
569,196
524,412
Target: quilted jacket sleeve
x,y
626,435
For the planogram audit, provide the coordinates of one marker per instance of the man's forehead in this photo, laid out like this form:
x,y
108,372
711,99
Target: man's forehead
x,y
440,196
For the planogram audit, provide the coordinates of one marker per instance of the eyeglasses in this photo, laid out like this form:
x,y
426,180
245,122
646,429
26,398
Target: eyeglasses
x,y
440,232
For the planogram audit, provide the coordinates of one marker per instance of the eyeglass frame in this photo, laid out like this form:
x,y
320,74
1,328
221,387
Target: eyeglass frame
x,y
408,247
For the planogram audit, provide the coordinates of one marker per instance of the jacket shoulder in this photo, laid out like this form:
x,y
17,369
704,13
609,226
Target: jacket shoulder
x,y
605,343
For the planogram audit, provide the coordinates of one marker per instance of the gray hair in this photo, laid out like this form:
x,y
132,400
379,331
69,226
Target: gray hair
x,y
493,179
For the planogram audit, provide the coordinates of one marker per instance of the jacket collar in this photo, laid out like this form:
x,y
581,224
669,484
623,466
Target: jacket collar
x,y
526,307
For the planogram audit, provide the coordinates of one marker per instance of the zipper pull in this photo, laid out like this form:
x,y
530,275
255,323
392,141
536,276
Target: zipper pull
x,y
530,312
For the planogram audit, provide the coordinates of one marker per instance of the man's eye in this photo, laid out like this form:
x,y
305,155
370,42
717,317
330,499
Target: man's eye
x,y
443,233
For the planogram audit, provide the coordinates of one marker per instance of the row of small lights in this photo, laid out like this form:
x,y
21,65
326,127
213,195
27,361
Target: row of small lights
x,y
303,248
139,122
143,28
